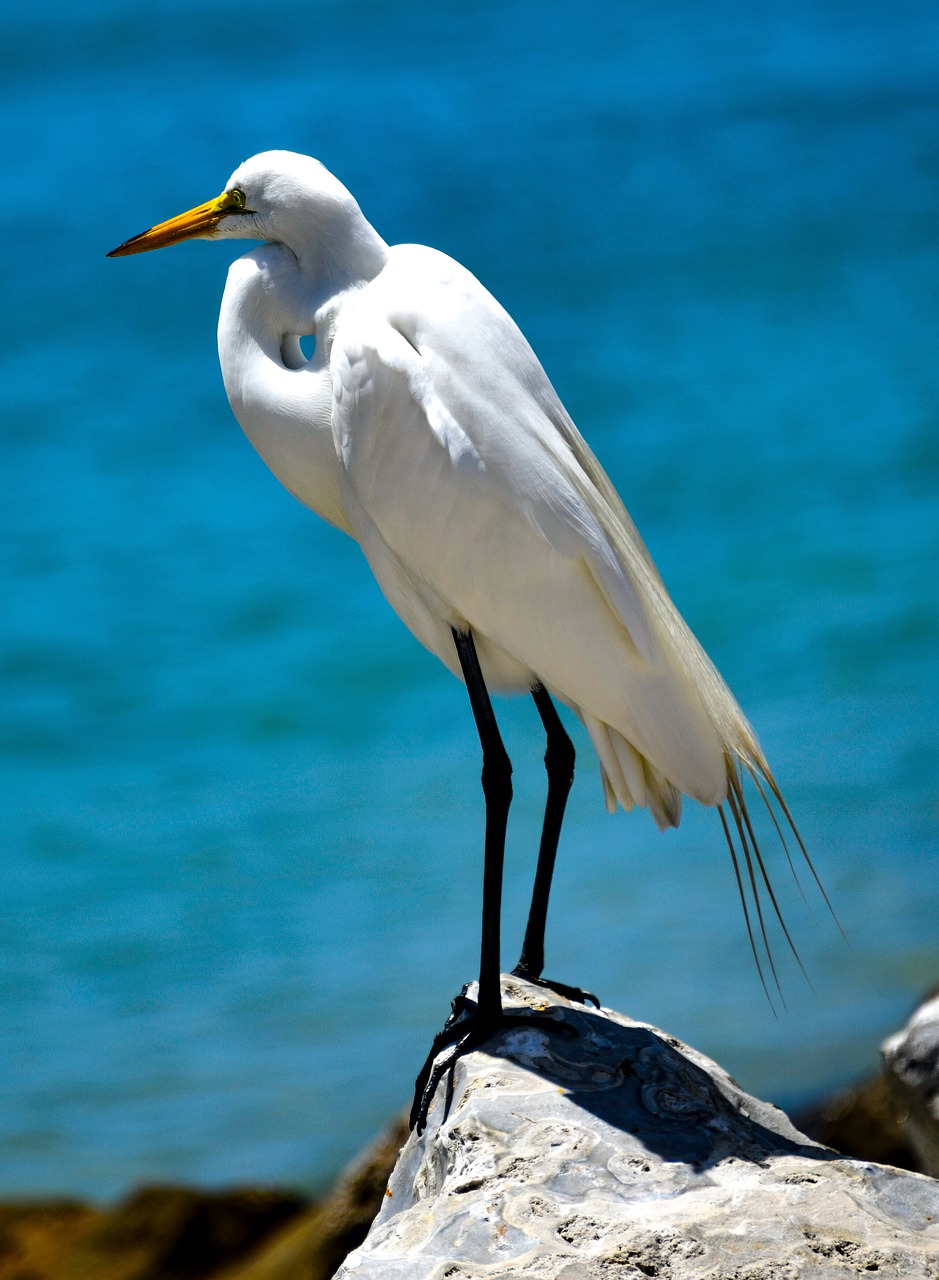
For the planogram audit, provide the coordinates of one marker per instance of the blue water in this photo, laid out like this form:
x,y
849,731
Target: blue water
x,y
240,814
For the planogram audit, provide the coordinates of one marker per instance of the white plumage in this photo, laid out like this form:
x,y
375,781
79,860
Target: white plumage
x,y
424,427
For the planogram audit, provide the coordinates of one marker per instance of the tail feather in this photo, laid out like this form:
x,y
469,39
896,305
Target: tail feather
x,y
743,903
740,766
630,779
754,890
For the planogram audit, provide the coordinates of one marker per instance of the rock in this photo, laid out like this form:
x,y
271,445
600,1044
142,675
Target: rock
x,y
177,1233
624,1153
911,1063
35,1236
860,1120
313,1246
157,1233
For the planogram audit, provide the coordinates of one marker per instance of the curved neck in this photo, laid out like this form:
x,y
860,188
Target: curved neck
x,y
283,404
344,252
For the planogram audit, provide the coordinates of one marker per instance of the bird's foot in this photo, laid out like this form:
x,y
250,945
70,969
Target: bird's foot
x,y
466,1029
559,988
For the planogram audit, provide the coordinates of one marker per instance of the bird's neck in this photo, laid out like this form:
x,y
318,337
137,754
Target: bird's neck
x,y
282,401
344,253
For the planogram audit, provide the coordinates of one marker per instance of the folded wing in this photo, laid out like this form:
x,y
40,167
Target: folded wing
x,y
478,504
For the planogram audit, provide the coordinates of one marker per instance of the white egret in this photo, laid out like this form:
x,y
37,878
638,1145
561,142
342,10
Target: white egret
x,y
424,426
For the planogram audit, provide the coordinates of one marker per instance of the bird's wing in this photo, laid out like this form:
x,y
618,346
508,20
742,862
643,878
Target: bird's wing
x,y
633,558
461,462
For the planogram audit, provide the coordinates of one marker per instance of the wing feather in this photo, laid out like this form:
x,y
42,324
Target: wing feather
x,y
463,470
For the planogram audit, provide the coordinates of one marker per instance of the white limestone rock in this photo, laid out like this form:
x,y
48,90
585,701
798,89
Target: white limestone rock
x,y
911,1062
623,1153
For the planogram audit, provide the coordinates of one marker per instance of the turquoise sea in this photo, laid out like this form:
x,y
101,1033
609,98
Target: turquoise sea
x,y
240,818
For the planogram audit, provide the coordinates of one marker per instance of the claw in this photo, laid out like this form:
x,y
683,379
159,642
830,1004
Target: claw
x,y
576,994
466,1029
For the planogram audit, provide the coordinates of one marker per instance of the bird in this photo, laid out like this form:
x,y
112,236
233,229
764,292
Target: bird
x,y
423,426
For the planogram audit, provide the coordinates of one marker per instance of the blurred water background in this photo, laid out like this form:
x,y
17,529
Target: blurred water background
x,y
240,816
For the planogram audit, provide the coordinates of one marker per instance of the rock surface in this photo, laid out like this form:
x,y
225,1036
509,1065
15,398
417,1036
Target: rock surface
x,y
911,1064
157,1233
622,1152
180,1233
315,1243
860,1120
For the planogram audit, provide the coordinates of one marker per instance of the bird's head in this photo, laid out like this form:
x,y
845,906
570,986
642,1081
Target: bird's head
x,y
277,195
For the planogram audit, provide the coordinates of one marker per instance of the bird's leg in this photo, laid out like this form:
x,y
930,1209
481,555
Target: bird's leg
x,y
471,1023
497,789
559,763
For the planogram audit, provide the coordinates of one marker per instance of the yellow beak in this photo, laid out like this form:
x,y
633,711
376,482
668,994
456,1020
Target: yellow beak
x,y
201,221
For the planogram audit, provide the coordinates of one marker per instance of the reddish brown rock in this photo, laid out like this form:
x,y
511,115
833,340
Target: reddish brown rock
x,y
35,1237
157,1233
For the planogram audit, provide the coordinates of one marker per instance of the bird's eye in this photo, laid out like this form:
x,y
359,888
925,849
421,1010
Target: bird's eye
x,y
238,198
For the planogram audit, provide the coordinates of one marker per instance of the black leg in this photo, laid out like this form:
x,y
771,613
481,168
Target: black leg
x,y
471,1023
497,788
559,762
